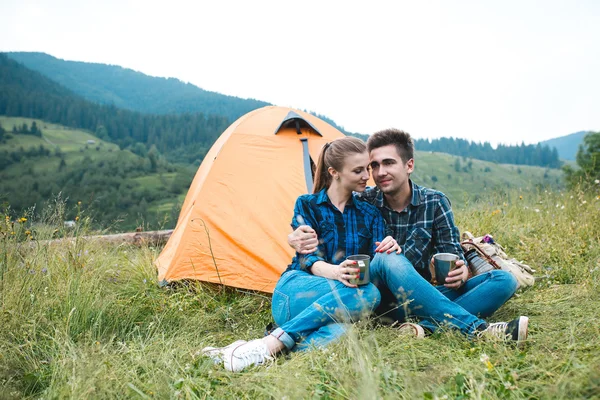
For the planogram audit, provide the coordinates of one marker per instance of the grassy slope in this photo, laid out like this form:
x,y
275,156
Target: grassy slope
x,y
468,185
461,186
73,143
86,320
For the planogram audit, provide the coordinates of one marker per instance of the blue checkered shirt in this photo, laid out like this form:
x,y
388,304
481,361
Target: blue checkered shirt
x,y
354,231
425,227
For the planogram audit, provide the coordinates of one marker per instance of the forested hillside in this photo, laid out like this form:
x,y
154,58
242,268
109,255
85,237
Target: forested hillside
x,y
181,138
125,88
95,178
541,155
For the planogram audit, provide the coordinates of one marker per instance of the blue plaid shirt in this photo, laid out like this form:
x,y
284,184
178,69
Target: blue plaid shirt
x,y
354,231
425,227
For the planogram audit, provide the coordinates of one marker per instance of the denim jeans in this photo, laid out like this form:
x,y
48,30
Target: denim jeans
x,y
314,311
412,296
483,294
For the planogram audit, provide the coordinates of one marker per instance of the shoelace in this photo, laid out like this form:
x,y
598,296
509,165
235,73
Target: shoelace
x,y
498,328
253,356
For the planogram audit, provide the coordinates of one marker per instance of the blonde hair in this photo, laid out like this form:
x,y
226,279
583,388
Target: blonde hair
x,y
333,155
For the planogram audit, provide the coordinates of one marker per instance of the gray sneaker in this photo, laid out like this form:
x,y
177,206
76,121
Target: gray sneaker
x,y
217,353
515,330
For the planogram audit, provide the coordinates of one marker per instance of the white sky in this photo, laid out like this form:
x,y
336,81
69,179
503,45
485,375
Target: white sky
x,y
498,71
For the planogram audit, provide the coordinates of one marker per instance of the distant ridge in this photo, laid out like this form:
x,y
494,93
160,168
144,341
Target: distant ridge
x,y
129,89
568,145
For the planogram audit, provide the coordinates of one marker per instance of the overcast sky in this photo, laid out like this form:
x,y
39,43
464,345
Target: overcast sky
x,y
498,71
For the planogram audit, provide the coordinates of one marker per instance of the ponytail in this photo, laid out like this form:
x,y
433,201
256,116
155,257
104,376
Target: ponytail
x,y
333,155
322,176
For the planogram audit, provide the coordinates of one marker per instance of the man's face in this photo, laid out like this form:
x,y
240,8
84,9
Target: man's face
x,y
389,171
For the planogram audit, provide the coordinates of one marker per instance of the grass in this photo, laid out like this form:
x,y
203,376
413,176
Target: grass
x,y
85,320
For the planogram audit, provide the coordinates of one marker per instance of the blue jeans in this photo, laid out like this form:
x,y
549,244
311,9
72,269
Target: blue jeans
x,y
483,294
412,296
314,311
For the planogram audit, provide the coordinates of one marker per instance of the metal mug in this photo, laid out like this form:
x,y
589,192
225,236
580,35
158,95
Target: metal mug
x,y
362,262
444,263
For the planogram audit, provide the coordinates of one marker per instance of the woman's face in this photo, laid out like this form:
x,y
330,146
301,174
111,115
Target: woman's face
x,y
355,172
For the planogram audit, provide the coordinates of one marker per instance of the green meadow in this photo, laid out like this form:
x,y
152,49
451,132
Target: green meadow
x,y
82,153
88,320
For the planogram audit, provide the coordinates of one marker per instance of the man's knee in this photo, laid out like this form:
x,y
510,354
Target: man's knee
x,y
508,280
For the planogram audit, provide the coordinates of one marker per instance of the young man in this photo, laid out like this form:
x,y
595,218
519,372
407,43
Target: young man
x,y
422,222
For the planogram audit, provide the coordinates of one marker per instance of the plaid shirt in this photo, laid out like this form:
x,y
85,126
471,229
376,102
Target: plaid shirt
x,y
425,227
354,231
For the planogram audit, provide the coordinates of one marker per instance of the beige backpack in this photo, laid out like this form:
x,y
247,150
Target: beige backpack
x,y
493,252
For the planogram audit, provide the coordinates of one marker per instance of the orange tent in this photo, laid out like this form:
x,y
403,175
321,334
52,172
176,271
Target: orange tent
x,y
236,216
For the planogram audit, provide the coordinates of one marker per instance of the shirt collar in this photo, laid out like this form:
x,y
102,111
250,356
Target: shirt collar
x,y
414,201
323,198
416,193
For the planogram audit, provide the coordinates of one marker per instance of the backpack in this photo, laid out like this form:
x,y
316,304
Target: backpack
x,y
493,253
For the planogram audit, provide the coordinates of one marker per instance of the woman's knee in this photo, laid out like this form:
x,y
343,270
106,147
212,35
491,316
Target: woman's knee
x,y
383,262
369,296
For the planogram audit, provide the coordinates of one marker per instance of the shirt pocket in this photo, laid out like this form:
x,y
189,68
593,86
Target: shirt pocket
x,y
417,242
326,236
365,242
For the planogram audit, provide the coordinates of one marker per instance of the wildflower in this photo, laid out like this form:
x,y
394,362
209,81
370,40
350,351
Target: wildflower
x,y
536,210
22,220
562,207
28,232
44,270
496,212
520,197
583,202
12,233
486,361
78,203
597,181
32,271
77,218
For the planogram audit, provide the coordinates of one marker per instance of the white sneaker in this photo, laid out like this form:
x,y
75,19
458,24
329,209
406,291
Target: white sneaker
x,y
217,353
415,330
255,352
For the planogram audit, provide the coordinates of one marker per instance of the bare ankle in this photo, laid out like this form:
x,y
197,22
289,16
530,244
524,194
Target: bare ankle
x,y
273,344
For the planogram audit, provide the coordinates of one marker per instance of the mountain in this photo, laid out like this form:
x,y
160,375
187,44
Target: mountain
x,y
182,138
567,146
129,89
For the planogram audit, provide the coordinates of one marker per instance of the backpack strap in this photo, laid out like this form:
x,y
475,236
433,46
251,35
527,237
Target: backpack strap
x,y
481,252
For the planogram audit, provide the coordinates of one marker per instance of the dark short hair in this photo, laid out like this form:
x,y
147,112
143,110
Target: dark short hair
x,y
402,140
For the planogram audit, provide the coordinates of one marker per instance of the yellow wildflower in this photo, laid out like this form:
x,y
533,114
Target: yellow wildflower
x,y
28,232
77,218
520,197
496,212
485,359
78,203
22,219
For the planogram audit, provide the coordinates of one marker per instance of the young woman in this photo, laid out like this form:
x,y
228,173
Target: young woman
x,y
314,299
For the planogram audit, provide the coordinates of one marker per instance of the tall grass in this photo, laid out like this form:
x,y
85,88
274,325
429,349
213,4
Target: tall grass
x,y
87,320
